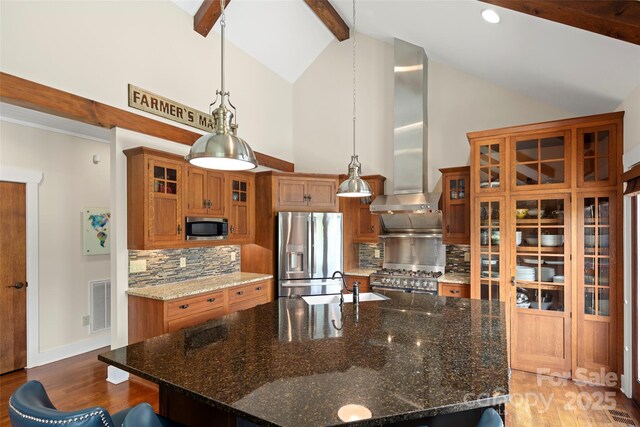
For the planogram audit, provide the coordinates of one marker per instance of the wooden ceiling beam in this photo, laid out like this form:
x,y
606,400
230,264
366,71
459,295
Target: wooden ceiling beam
x,y
35,96
207,15
330,18
619,19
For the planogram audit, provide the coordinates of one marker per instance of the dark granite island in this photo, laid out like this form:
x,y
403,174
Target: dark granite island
x,y
413,359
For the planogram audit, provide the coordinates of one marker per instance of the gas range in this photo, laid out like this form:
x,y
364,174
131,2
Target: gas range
x,y
418,281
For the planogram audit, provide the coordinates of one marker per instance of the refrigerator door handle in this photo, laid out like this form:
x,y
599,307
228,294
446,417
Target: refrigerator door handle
x,y
312,251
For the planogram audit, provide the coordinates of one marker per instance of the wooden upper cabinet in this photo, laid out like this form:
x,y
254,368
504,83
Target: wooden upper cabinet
x,y
490,159
456,220
155,191
368,224
241,207
541,160
306,193
292,193
321,193
598,151
204,193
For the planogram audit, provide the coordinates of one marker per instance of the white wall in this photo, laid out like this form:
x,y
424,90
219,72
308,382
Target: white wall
x,y
457,103
71,182
631,107
95,48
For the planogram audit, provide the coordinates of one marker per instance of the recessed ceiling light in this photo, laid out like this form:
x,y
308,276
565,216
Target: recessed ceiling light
x,y
490,16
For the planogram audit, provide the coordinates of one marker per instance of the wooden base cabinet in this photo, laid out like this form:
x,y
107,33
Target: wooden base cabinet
x,y
151,317
454,290
361,281
546,228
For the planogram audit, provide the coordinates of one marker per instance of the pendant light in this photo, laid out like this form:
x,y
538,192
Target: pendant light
x,y
354,186
222,149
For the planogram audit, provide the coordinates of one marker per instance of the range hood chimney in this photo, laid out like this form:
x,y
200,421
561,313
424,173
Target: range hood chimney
x,y
410,209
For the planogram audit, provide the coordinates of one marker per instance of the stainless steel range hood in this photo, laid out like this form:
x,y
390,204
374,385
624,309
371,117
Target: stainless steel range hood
x,y
409,210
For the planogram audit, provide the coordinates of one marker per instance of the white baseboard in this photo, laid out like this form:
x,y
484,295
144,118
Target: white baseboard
x,y
116,375
73,349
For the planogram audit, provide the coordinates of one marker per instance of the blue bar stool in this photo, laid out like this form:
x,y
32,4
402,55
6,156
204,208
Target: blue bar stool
x,y
29,406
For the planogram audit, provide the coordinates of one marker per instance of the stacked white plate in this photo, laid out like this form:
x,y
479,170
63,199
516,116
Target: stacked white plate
x,y
525,273
547,273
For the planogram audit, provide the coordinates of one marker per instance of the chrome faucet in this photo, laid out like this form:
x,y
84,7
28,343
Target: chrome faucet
x,y
333,277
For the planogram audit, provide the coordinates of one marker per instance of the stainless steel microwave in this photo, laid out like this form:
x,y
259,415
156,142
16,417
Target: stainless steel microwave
x,y
206,228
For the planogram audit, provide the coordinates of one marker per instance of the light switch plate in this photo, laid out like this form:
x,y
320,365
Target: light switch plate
x,y
467,256
138,266
233,256
183,262
376,253
86,320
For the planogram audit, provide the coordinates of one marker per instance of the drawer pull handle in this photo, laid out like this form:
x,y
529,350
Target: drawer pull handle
x,y
259,288
239,292
454,291
211,299
184,306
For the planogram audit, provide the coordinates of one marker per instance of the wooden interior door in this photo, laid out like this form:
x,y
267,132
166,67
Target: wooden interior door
x,y
13,277
540,244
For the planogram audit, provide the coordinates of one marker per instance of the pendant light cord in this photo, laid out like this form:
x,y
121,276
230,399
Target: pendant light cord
x,y
223,24
353,40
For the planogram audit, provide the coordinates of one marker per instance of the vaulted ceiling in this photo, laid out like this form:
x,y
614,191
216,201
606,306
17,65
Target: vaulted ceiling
x,y
565,66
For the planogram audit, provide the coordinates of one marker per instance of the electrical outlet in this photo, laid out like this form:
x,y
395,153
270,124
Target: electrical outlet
x,y
86,320
467,256
233,256
376,253
138,266
183,262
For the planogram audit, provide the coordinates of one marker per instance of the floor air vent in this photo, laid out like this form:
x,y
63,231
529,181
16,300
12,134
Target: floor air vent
x,y
621,417
100,305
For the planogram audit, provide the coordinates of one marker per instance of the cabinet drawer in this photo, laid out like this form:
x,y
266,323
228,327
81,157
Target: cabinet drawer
x,y
246,292
454,290
194,319
240,304
195,304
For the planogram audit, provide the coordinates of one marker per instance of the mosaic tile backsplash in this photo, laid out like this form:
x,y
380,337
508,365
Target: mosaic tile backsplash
x,y
163,266
455,259
367,255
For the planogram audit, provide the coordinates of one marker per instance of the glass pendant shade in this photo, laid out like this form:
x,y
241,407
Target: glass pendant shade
x,y
354,186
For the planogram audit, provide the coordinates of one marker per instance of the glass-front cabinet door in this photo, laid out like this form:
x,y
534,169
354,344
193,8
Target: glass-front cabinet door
x,y
541,284
490,156
597,156
165,197
596,273
540,161
489,261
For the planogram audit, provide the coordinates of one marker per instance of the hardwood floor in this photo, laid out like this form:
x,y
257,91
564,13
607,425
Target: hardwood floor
x,y
79,382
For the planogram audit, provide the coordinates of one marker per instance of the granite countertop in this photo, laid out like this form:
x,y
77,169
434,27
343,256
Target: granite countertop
x,y
171,291
364,272
287,363
457,278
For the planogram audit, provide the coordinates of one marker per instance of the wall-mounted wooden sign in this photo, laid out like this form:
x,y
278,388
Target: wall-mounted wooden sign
x,y
163,107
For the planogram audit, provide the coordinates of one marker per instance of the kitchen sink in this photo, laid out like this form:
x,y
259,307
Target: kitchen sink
x,y
348,298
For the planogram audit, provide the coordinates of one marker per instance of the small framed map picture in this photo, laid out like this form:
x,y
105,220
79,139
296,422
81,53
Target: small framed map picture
x,y
96,231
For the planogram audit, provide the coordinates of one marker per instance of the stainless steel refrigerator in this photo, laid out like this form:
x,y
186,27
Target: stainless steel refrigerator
x,y
309,251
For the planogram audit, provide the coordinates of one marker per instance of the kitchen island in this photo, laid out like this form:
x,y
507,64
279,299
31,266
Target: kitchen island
x,y
412,359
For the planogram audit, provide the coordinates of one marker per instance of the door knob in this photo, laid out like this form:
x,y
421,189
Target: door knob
x,y
18,285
